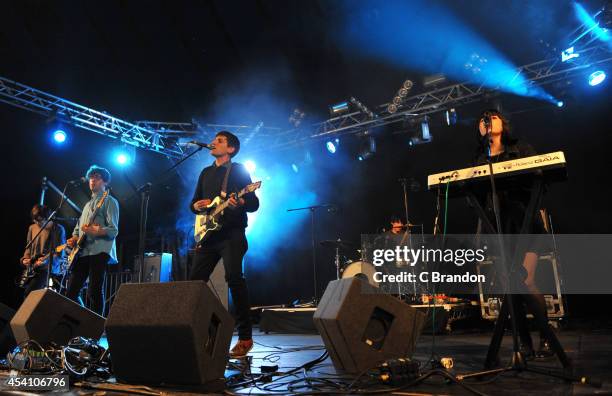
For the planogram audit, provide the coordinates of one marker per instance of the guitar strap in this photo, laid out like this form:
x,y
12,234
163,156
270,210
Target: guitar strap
x,y
225,180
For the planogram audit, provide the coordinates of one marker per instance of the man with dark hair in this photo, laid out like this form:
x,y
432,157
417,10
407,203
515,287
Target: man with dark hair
x,y
34,255
229,243
99,247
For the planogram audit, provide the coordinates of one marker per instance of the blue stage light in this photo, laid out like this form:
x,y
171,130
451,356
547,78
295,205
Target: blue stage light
x,y
560,103
122,159
331,147
250,165
596,78
59,136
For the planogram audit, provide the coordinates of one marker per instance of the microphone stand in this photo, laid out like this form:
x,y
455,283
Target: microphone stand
x,y
518,362
145,193
312,210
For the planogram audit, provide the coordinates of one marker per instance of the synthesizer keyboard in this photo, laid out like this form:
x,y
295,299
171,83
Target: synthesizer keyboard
x,y
541,164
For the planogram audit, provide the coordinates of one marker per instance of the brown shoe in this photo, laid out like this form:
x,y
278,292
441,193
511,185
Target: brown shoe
x,y
241,348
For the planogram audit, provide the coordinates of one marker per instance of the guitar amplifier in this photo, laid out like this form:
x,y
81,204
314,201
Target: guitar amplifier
x,y
157,267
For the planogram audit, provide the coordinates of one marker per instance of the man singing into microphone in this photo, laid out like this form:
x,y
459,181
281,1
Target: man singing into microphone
x,y
229,243
99,248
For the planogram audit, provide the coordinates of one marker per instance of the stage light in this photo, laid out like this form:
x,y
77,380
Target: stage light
x,y
560,103
331,147
122,159
367,147
596,78
568,54
339,108
250,165
59,136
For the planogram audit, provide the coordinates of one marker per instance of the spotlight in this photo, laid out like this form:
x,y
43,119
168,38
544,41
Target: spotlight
x,y
339,108
451,117
367,148
59,136
560,103
331,147
250,165
122,159
596,78
568,54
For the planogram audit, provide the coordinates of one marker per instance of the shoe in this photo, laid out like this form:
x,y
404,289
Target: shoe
x,y
241,348
545,351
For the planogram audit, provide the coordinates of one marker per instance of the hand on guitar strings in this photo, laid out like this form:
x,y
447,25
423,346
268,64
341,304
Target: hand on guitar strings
x,y
234,203
201,204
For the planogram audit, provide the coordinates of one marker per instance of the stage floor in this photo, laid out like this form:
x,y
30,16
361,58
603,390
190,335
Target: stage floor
x,y
590,349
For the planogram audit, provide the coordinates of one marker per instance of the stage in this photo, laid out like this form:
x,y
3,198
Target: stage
x,y
589,346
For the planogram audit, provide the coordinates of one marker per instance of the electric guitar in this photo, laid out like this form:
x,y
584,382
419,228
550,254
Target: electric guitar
x,y
82,239
210,221
35,262
28,273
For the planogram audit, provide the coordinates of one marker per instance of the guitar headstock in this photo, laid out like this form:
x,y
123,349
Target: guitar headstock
x,y
252,187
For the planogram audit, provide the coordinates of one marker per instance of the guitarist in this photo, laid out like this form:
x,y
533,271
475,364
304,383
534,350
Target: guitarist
x,y
228,243
34,255
98,248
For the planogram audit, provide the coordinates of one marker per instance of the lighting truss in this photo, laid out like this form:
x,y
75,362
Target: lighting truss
x,y
440,99
47,105
162,137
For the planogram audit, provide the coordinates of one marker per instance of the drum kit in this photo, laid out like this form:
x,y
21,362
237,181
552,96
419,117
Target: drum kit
x,y
352,260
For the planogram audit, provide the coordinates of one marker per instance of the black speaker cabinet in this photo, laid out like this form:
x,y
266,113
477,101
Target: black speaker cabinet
x,y
168,333
7,341
46,316
362,327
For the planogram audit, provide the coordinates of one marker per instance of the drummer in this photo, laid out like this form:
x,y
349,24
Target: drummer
x,y
397,235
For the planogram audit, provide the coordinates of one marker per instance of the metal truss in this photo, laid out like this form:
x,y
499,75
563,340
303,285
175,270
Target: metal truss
x,y
440,99
48,105
163,137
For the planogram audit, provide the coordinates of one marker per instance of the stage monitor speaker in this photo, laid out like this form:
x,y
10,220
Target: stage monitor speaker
x,y
362,327
170,333
7,341
46,316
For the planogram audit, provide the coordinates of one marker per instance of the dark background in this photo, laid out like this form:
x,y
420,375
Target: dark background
x,y
182,60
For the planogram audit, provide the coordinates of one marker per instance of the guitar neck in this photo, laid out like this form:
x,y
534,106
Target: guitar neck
x,y
221,207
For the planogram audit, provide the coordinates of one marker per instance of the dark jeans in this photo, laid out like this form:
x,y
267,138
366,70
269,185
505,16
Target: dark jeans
x,y
231,246
93,267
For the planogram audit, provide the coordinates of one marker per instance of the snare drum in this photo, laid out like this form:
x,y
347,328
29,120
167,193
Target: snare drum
x,y
360,269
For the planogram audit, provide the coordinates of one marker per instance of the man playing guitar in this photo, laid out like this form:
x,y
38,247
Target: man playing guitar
x,y
97,228
229,242
35,257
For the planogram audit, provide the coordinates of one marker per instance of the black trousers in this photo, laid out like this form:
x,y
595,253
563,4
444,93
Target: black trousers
x,y
93,267
231,246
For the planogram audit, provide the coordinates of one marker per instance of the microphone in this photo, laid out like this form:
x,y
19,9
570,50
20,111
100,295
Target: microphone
x,y
203,145
78,181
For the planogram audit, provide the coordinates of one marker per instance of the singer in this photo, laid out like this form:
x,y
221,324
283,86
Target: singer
x,y
496,144
221,178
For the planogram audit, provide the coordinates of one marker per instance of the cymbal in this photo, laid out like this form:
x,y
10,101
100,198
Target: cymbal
x,y
339,243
